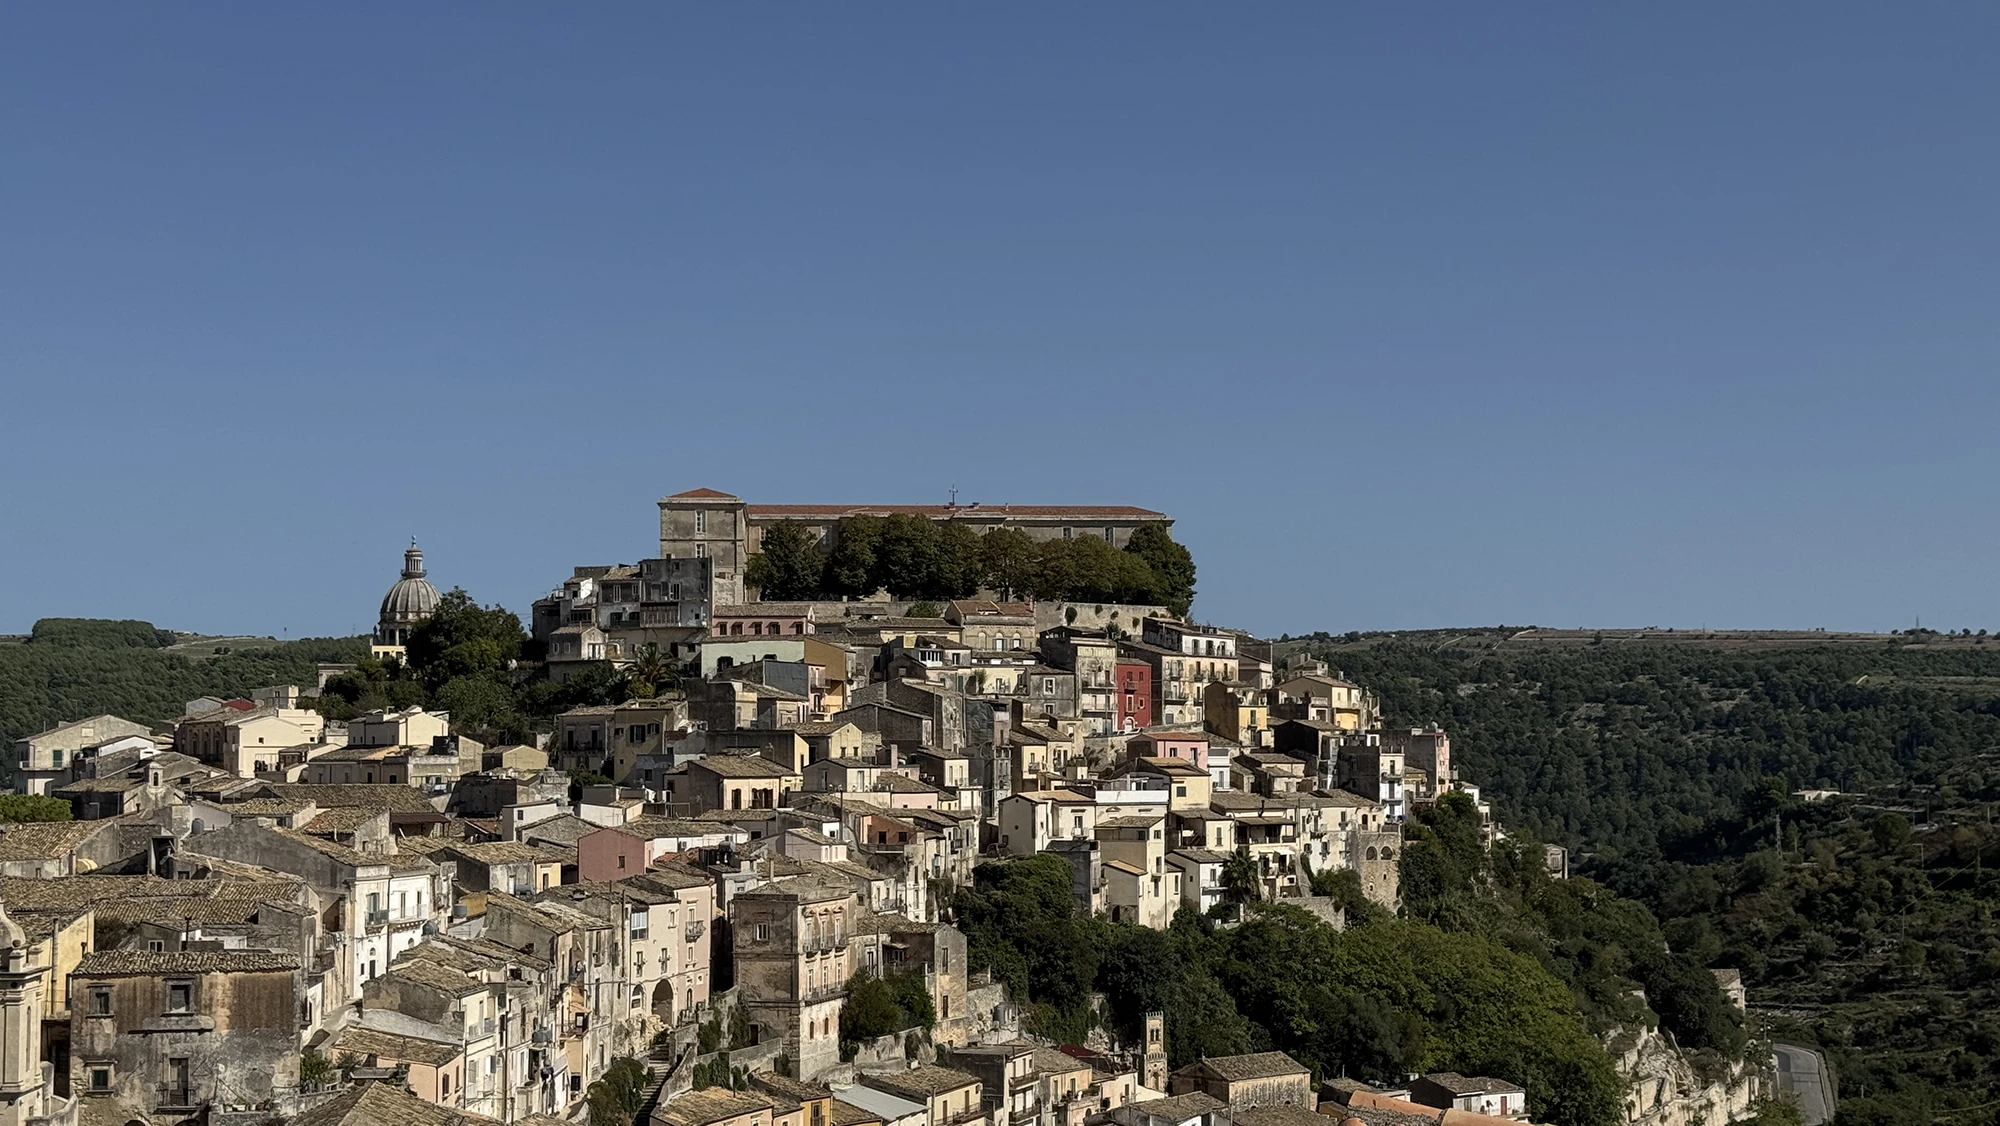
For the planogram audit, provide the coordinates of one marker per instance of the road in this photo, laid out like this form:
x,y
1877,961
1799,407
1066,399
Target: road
x,y
1803,1072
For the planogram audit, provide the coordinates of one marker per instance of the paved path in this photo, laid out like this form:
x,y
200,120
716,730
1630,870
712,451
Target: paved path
x,y
1802,1072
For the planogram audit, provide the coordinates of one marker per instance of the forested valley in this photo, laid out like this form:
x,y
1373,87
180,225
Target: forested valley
x,y
1863,922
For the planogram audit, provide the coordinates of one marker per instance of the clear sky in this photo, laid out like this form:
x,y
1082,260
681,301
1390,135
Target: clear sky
x,y
1412,315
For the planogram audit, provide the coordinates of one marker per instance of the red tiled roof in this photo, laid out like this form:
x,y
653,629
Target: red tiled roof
x,y
1080,511
701,494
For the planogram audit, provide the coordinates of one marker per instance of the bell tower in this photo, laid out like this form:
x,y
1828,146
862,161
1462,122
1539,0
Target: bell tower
x,y
24,1091
1153,1055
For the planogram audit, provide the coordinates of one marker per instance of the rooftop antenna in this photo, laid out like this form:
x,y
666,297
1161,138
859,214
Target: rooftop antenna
x,y
954,496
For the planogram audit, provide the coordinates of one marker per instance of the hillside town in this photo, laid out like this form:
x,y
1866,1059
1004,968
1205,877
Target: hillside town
x,y
259,914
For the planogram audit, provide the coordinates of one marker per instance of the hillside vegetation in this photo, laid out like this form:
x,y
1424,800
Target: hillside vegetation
x,y
69,668
1495,969
1863,924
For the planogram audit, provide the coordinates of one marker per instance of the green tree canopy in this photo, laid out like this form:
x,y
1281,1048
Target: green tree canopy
x,y
16,808
1171,564
788,566
463,638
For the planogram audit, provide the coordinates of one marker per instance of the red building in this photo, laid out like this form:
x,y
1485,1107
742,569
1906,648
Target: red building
x,y
1135,694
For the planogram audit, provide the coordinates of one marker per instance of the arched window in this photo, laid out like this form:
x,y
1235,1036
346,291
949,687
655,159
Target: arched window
x,y
1371,852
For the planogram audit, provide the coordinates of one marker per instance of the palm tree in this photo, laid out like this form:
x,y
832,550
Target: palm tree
x,y
1239,877
651,666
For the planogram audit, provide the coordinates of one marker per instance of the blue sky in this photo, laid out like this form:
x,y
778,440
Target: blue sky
x,y
1413,315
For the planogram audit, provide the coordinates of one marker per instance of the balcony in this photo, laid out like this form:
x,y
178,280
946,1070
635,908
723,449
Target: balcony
x,y
175,1096
378,917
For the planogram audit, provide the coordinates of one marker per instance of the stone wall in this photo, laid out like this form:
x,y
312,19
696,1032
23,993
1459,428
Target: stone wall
x,y
1096,615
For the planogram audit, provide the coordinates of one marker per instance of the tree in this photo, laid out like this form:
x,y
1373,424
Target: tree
x,y
956,563
18,808
650,666
463,638
907,551
617,1096
482,703
850,568
788,566
1171,564
1240,882
1007,561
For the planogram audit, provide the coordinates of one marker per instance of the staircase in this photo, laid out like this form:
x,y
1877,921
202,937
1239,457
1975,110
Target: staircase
x,y
661,1063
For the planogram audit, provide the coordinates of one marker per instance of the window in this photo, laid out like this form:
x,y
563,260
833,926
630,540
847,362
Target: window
x,y
1068,533
155,945
621,861
700,522
100,1002
1048,686
700,552
180,996
100,1077
56,756
763,932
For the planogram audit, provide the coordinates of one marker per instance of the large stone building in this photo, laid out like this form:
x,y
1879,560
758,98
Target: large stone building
x,y
410,601
714,525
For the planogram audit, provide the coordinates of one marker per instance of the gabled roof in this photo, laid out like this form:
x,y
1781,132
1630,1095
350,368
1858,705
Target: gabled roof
x,y
1457,1084
701,494
389,1045
1251,1065
740,766
921,1083
381,1104
151,963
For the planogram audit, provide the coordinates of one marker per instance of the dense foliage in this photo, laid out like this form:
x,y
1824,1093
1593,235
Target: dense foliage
x,y
1634,748
877,1006
16,808
914,557
1375,1001
1855,934
464,659
100,633
1673,766
615,1098
70,668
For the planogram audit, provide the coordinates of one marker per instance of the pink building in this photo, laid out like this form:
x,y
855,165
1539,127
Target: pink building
x,y
762,619
1188,746
629,849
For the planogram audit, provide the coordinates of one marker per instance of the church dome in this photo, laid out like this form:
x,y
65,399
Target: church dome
x,y
413,597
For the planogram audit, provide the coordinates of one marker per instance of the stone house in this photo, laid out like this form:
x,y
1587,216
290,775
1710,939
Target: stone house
x,y
380,903
718,1106
434,1070
793,960
49,758
731,782
1449,1090
1236,711
185,1032
1257,1079
950,1097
